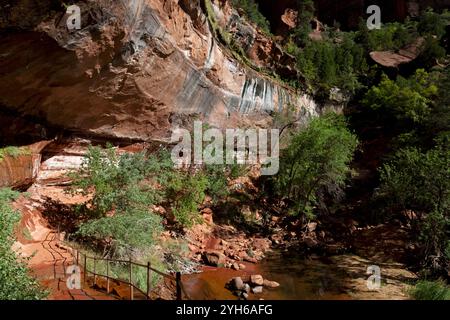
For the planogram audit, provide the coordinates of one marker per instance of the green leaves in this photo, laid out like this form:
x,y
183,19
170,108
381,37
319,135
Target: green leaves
x,y
430,290
404,99
418,181
333,63
126,232
125,186
315,162
15,282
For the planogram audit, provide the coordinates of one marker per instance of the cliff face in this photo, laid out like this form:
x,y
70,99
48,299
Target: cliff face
x,y
19,171
135,69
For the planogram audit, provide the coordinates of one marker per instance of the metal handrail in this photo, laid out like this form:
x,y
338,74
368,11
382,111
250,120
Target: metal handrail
x,y
177,277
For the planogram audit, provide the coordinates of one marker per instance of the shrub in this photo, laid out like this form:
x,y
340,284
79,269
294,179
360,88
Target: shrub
x,y
417,181
430,290
186,192
406,100
15,281
120,187
420,181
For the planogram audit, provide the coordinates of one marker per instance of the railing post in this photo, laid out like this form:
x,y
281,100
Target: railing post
x,y
178,280
85,268
131,281
95,271
149,280
107,276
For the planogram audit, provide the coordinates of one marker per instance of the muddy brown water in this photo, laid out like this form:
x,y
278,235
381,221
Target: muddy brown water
x,y
300,278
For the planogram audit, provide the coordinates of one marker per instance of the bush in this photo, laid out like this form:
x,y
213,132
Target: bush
x,y
315,163
186,192
420,181
125,187
124,232
417,181
430,290
329,63
122,198
432,23
408,101
15,281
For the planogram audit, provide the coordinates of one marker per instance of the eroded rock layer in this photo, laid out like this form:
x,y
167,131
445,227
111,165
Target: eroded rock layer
x,y
134,69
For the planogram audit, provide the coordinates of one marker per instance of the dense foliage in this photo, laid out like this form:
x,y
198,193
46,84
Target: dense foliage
x,y
126,187
431,290
315,164
15,281
406,100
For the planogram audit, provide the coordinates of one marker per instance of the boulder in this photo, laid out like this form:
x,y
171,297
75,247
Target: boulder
x,y
246,288
257,290
257,280
214,258
241,266
270,284
236,284
235,266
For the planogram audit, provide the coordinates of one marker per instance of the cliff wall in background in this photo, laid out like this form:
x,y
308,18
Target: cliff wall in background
x,y
136,69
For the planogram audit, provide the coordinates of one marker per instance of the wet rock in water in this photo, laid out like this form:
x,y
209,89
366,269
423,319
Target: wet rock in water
x,y
257,280
270,284
246,288
245,296
235,266
214,258
257,290
237,284
242,266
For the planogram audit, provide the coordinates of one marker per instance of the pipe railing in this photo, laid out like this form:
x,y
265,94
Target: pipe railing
x,y
108,276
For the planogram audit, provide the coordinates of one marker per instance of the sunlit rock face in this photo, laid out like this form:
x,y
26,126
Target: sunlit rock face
x,y
21,170
133,70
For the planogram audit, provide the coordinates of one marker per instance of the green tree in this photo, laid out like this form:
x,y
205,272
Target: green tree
x,y
123,187
305,15
431,23
407,100
420,181
316,162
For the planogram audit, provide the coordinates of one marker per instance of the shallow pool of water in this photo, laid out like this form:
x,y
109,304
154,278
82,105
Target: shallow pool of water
x,y
300,278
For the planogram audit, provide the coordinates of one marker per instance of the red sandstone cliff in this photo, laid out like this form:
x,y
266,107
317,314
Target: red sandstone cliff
x,y
135,69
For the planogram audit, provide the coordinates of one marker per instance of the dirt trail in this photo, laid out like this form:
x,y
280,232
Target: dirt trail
x,y
48,257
